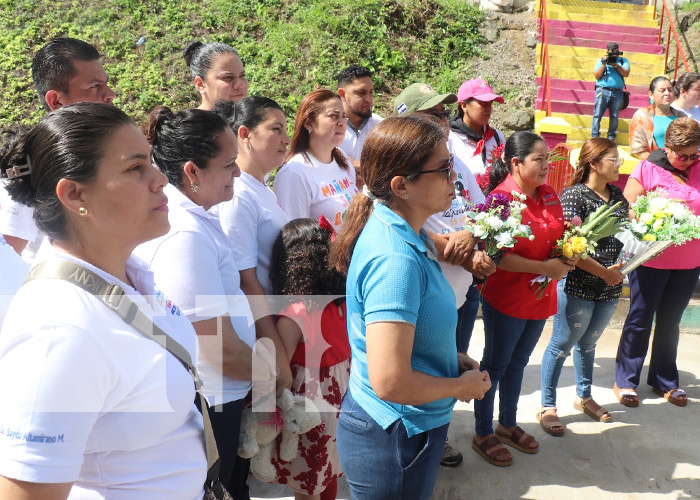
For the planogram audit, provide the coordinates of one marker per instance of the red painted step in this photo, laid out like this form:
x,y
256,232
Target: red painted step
x,y
559,83
602,44
588,96
621,38
613,29
578,108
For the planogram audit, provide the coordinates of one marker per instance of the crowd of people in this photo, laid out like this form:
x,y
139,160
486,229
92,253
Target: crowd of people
x,y
351,279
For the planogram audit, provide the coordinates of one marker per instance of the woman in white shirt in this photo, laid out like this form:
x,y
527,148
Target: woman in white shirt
x,y
193,264
687,91
317,178
253,218
92,408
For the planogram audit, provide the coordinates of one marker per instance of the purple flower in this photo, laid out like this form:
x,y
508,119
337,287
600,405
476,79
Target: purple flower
x,y
498,201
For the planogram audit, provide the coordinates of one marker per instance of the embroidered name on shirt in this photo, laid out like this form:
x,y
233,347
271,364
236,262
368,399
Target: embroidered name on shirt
x,y
550,199
31,438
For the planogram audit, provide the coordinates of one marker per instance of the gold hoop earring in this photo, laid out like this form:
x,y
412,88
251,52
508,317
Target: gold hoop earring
x,y
194,186
82,211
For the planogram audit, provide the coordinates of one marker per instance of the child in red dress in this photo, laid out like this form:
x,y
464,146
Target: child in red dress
x,y
314,330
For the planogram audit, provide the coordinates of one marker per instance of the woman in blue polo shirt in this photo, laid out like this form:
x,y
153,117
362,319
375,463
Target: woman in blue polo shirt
x,y
401,317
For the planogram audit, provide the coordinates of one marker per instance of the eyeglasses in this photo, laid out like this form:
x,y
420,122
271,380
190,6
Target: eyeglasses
x,y
616,161
447,169
694,156
437,114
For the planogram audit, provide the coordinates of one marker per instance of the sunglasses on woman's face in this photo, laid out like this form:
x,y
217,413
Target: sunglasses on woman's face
x,y
447,169
694,156
437,114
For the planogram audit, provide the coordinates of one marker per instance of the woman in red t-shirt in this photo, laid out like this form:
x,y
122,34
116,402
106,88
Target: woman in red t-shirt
x,y
513,315
315,334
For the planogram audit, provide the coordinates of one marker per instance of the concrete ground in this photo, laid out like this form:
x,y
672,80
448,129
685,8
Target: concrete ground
x,y
650,452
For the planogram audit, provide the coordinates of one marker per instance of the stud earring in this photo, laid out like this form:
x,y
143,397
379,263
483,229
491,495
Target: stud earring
x,y
651,100
194,186
405,197
82,211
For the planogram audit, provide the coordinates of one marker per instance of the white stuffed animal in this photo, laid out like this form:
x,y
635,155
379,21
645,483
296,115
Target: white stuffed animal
x,y
295,415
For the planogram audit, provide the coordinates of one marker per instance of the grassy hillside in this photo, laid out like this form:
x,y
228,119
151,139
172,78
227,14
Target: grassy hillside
x,y
288,47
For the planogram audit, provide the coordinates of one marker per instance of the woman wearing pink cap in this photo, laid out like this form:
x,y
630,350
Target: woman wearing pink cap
x,y
473,141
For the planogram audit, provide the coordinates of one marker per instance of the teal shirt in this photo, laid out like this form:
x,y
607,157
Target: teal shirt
x,y
611,78
394,277
661,123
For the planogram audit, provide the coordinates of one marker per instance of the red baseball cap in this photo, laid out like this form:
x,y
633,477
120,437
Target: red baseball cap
x,y
479,90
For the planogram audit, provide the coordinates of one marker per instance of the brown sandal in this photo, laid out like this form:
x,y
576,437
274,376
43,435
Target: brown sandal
x,y
671,397
490,448
549,420
626,397
520,440
592,409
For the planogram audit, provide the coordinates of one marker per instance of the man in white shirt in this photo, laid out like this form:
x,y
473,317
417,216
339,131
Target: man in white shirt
x,y
356,92
65,71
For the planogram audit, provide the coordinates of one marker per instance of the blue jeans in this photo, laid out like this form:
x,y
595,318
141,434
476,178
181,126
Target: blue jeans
x,y
578,323
509,341
666,293
466,317
386,464
610,100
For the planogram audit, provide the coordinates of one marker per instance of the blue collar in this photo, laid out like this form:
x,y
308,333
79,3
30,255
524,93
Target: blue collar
x,y
422,242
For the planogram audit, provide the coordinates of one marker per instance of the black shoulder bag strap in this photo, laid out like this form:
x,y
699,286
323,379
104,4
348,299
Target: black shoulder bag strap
x,y
114,297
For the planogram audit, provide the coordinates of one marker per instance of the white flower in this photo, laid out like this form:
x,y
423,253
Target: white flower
x,y
657,204
524,228
638,227
504,239
646,218
512,221
658,224
494,222
479,231
481,216
677,210
531,237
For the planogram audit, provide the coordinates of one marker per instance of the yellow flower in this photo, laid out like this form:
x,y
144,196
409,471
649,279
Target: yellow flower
x,y
567,251
658,224
579,244
649,237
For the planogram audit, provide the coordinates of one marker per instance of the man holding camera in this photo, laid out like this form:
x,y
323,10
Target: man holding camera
x,y
610,73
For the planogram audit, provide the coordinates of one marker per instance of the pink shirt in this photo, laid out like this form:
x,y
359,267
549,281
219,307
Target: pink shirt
x,y
651,176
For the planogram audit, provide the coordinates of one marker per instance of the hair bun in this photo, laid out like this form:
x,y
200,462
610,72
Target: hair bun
x,y
190,50
158,116
14,157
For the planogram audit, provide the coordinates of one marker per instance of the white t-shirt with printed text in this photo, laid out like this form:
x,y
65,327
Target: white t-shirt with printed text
x,y
193,265
252,220
467,192
90,400
309,188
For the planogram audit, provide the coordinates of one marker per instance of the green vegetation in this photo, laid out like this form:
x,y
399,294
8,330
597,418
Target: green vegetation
x,y
288,46
688,6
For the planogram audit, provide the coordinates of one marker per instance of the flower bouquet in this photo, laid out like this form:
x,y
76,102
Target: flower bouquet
x,y
497,222
658,223
582,239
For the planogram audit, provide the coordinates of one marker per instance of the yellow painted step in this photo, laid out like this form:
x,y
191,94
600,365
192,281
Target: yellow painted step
x,y
588,63
601,5
585,121
596,18
583,133
587,74
625,15
587,52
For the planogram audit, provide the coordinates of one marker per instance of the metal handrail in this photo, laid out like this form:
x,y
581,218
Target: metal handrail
x,y
544,58
672,29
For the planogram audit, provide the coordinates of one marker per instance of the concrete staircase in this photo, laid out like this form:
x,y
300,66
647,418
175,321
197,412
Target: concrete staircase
x,y
578,32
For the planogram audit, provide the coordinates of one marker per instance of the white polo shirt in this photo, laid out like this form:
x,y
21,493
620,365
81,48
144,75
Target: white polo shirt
x,y
18,220
252,220
194,266
355,139
88,399
13,272
464,148
693,112
309,188
453,219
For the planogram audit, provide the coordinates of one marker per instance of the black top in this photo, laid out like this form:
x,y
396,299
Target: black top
x,y
581,200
